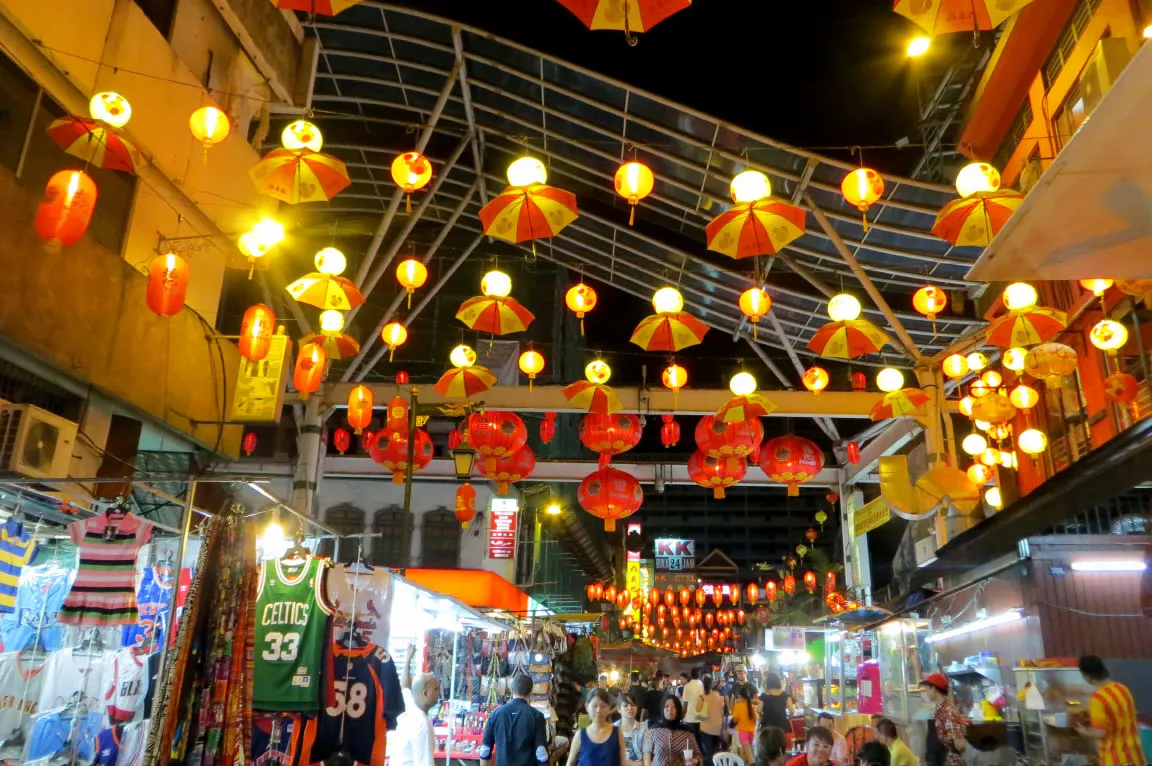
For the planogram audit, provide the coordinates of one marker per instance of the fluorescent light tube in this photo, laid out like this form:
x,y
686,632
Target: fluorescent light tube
x,y
1109,565
1010,616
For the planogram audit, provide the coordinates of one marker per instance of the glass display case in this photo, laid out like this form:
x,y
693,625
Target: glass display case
x,y
844,653
904,658
1052,700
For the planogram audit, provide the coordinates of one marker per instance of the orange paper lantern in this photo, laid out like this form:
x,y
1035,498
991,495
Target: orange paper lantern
x,y
674,378
66,208
753,593
930,301
862,187
210,126
361,400
531,363
309,371
411,171
810,581
581,299
755,303
634,182
412,274
815,379
256,332
167,284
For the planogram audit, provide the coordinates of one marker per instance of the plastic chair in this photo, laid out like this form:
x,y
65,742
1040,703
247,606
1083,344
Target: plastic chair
x,y
727,759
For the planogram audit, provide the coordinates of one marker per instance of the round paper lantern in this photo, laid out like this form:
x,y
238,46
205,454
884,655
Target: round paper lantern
x,y
843,308
1108,335
597,371
701,597
111,108
889,379
994,408
716,473
955,366
790,584
1050,361
496,284
990,457
791,460
1023,397
411,171
531,363
412,274
391,452
750,186
685,596
634,182
755,303
548,428
670,431
1013,358
715,438
1097,286
742,384
810,581
249,442
580,299
256,332
810,535
595,591
66,208
610,494
527,171
977,177
674,377
341,440
978,473
462,356
394,335
1121,387
992,379
331,322
1032,441
667,300
974,444
309,370
1019,296
654,596
930,301
815,379
862,187
495,434
167,284
717,599
753,593
609,434
510,469
993,497
361,400
300,135
965,406
210,126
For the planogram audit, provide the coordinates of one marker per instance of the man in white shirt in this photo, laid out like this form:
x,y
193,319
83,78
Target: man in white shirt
x,y
413,742
693,690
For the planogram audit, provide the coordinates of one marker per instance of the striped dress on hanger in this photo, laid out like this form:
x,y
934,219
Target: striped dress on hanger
x,y
104,592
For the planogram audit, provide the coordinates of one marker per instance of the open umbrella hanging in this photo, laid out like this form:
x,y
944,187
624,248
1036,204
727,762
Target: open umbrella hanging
x,y
1026,327
593,397
94,143
974,220
462,382
763,227
941,17
325,291
498,316
627,16
523,213
669,331
848,339
741,408
898,404
300,176
339,346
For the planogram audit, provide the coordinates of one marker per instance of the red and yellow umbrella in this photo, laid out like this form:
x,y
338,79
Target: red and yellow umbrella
x,y
494,315
317,7
848,339
95,144
325,291
1026,327
593,397
670,331
339,346
762,227
300,176
898,404
941,17
462,382
973,221
627,16
741,408
522,213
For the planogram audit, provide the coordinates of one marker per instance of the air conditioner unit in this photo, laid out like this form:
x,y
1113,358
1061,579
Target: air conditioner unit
x,y
34,442
925,551
1109,59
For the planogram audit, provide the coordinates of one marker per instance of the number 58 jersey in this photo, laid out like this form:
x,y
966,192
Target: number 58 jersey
x,y
362,702
291,636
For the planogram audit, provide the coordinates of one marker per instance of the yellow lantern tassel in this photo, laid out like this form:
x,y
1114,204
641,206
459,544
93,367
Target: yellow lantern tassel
x,y
581,326
251,267
530,379
409,299
391,351
755,327
408,203
864,217
632,215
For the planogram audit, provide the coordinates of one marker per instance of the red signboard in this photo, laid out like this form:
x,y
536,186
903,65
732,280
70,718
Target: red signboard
x,y
502,529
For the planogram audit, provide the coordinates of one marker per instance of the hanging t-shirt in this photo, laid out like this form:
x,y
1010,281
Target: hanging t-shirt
x,y
125,683
104,592
183,585
43,587
16,548
20,687
153,599
69,674
366,593
362,702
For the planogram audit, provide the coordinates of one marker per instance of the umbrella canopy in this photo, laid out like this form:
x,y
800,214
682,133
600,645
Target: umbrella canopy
x,y
325,291
1026,327
898,404
670,331
341,346
740,408
299,176
762,227
941,17
848,339
95,144
522,213
494,315
973,221
316,7
462,382
593,397
627,16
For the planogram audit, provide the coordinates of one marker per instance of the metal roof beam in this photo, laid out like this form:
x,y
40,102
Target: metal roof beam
x,y
469,112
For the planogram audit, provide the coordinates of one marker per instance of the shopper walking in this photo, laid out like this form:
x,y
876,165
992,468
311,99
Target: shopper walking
x,y
900,754
771,747
745,715
776,706
631,727
599,743
668,743
654,698
693,691
710,709
945,742
1111,717
516,730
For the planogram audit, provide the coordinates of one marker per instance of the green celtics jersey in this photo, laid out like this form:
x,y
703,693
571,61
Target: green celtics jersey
x,y
291,629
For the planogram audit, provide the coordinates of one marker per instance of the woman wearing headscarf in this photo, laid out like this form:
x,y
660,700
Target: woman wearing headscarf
x,y
669,742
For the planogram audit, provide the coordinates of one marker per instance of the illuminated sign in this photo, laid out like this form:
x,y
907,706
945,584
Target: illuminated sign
x,y
502,528
674,555
629,530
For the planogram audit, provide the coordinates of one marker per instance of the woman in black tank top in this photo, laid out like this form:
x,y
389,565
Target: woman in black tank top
x,y
776,704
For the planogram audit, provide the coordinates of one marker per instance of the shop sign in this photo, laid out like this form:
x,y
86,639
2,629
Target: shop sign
x,y
788,638
502,528
260,385
674,555
675,580
873,515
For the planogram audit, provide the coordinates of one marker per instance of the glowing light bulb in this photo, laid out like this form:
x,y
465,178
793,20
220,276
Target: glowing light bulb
x,y
742,384
269,232
918,46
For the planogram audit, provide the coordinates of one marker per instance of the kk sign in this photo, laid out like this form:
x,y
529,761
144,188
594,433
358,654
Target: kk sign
x,y
675,555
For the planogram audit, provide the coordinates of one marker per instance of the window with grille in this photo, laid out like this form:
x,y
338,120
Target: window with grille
x,y
440,540
1066,43
388,539
346,520
1015,135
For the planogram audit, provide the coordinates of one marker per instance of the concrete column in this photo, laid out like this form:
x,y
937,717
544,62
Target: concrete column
x,y
417,538
308,456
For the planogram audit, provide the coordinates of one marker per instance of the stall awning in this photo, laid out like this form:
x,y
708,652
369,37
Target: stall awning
x,y
477,588
1091,212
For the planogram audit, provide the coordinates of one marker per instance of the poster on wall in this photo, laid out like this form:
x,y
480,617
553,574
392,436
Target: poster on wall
x,y
675,555
260,385
502,528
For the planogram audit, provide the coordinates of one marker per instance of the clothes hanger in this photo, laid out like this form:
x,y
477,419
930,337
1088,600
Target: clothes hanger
x,y
297,551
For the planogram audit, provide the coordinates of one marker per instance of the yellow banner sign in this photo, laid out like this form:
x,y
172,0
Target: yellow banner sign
x,y
260,385
872,515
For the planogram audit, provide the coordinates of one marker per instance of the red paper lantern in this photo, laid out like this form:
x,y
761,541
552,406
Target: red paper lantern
x,y
609,434
716,473
685,596
361,400
654,596
548,428
167,284
670,598
510,469
859,381
401,378
789,584
810,581
391,451
753,593
454,439
670,431
610,494
466,505
741,617
832,497
256,331
309,371
830,581
396,416
709,619
367,440
66,208
610,592
495,434
700,597
595,591
342,440
716,438
770,590
622,599
717,596
249,442
852,449
791,460
1121,387
810,535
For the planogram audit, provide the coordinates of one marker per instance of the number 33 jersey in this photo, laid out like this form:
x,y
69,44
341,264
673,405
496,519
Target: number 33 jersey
x,y
362,702
291,635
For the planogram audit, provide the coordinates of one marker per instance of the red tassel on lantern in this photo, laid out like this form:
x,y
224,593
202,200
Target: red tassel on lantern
x,y
548,428
853,450
66,208
249,442
670,431
342,440
256,332
167,284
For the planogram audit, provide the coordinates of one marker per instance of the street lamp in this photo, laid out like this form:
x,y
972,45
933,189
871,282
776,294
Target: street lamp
x,y
918,46
553,509
464,458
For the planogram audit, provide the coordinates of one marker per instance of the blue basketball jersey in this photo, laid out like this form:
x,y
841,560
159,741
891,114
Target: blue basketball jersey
x,y
39,598
108,746
153,601
362,702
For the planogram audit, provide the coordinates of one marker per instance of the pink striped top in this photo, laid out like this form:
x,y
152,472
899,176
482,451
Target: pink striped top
x,y
104,592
